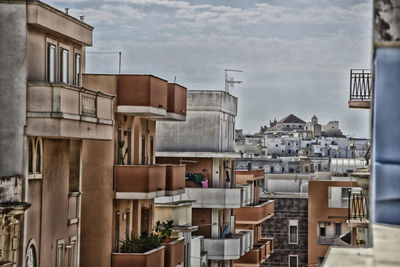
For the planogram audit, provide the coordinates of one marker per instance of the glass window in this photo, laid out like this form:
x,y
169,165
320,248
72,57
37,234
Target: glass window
x,y
30,160
51,63
293,231
31,257
292,261
38,157
77,70
72,254
64,66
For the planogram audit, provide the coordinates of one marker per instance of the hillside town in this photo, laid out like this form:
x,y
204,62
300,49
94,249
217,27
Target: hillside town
x,y
118,170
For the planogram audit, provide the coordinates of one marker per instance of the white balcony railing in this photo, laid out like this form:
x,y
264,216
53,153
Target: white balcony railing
x,y
223,198
224,248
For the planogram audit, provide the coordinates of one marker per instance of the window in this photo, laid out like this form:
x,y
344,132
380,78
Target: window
x,y
35,157
338,229
128,222
31,257
322,230
77,70
293,235
64,65
30,157
60,253
51,63
151,150
116,231
143,150
292,260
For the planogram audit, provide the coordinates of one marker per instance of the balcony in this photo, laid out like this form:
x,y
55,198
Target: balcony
x,y
360,88
336,241
198,255
224,248
244,177
218,198
139,181
358,210
142,95
175,179
251,258
177,99
152,258
174,252
64,111
247,240
255,214
178,211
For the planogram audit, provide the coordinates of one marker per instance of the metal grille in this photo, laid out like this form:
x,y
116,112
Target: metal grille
x,y
358,207
89,105
360,84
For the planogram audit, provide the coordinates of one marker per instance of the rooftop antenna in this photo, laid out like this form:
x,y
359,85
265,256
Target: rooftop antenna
x,y
119,57
230,81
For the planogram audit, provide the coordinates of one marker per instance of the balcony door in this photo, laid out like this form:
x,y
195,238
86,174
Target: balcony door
x,y
338,229
145,220
143,150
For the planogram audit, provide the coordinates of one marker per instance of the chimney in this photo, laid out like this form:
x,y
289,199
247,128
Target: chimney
x,y
82,17
66,10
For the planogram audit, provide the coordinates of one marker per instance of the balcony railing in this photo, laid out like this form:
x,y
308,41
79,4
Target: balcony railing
x,y
332,241
358,208
140,181
62,110
255,214
174,252
152,258
223,198
175,179
244,177
142,95
360,88
223,248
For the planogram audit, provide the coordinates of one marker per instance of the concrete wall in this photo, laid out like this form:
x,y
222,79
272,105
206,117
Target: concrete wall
x,y
210,121
12,87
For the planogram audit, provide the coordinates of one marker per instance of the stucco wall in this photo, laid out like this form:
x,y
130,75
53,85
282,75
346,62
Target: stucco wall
x,y
209,125
97,203
12,87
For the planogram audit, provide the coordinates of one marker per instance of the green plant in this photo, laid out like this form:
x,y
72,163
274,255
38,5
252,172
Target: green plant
x,y
164,230
133,244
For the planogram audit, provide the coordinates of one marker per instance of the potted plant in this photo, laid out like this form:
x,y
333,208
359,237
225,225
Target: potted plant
x,y
145,250
174,247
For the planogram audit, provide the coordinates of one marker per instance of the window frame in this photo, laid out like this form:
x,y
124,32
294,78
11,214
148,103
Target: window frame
x,y
36,143
292,223
51,42
32,248
77,82
63,48
294,256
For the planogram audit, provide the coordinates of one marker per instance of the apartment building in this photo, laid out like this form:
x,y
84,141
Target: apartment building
x,y
121,183
289,229
205,144
252,216
47,115
328,211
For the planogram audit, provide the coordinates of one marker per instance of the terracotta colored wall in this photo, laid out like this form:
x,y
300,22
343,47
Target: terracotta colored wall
x,y
97,201
202,218
318,211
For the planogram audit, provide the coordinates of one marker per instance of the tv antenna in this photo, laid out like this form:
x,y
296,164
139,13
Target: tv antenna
x,y
230,81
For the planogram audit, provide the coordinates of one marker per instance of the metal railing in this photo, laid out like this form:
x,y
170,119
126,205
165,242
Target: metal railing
x,y
89,105
357,207
360,84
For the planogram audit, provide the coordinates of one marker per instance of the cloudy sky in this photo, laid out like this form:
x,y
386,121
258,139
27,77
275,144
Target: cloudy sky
x,y
296,55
